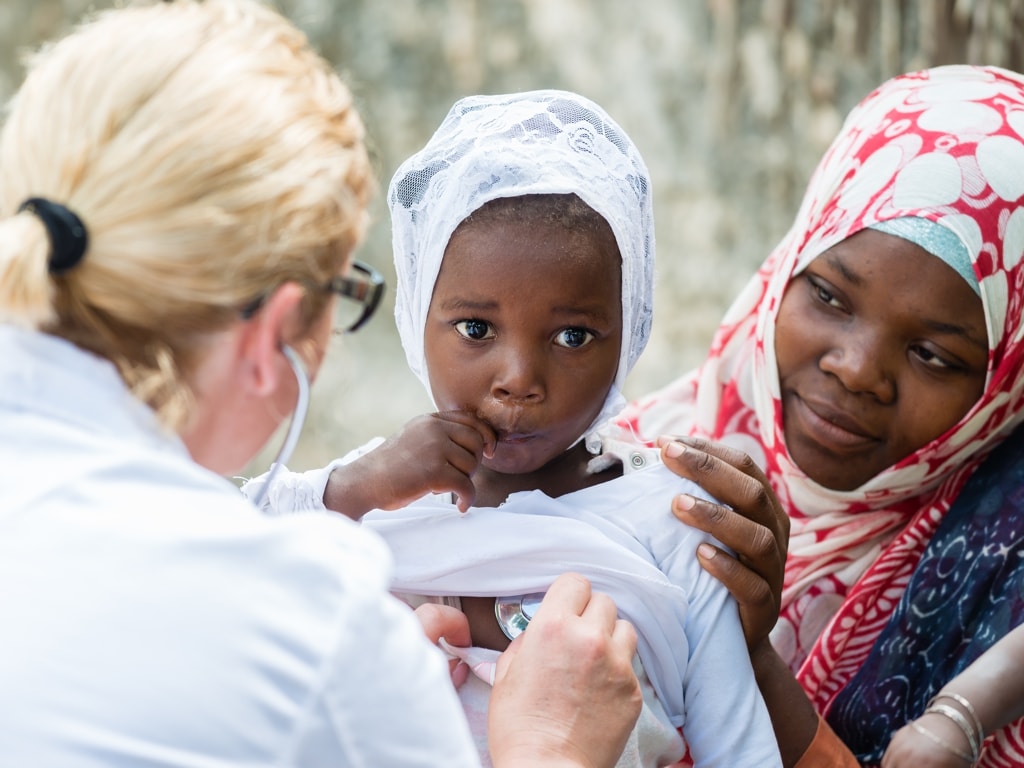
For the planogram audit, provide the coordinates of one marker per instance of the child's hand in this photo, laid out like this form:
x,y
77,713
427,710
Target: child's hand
x,y
434,453
910,748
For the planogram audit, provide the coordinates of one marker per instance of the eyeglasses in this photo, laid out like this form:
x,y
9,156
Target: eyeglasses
x,y
364,287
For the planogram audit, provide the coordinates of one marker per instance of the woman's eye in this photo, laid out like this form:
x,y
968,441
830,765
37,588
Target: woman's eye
x,y
573,338
477,330
824,294
932,360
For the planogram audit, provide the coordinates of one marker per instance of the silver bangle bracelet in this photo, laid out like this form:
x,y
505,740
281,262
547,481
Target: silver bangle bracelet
x,y
958,717
941,742
967,708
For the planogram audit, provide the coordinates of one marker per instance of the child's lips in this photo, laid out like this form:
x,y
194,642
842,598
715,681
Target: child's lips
x,y
508,431
510,438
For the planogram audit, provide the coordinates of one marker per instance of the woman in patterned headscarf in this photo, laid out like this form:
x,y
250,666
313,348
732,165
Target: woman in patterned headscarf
x,y
929,163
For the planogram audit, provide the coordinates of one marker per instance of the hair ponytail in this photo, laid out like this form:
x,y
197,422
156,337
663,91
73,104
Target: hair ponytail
x,y
26,287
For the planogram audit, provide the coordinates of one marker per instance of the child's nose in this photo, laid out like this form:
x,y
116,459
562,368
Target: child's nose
x,y
519,376
863,363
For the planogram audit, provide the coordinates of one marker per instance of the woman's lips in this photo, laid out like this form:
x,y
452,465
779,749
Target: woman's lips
x,y
830,427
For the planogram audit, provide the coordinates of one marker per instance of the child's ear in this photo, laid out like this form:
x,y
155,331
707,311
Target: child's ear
x,y
265,336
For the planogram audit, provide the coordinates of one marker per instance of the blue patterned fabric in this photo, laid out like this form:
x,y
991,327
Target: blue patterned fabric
x,y
967,592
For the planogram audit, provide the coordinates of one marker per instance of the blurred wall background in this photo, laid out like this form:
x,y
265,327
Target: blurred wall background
x,y
731,103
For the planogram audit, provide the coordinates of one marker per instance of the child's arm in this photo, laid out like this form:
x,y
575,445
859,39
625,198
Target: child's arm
x,y
727,721
994,689
434,453
751,521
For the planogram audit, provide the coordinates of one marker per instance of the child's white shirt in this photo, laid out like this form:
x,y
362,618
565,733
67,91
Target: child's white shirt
x,y
621,535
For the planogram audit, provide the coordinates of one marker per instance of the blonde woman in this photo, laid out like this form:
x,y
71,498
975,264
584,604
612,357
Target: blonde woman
x,y
182,186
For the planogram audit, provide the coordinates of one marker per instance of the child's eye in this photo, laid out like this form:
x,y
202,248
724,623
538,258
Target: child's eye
x,y
477,330
573,338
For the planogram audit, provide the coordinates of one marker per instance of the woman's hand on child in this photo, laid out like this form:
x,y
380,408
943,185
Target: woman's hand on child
x,y
565,688
444,621
750,520
433,453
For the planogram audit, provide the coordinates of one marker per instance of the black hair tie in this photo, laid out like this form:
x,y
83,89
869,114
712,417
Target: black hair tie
x,y
68,236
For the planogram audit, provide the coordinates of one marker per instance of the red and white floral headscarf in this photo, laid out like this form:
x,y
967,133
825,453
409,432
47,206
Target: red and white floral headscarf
x,y
946,144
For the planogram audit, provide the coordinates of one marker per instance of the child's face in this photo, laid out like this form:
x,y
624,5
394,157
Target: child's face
x,y
881,348
524,330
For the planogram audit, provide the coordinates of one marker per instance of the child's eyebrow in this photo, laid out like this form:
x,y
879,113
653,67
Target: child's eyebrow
x,y
596,313
462,304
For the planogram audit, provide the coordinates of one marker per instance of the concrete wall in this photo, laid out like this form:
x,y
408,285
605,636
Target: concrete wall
x,y
731,103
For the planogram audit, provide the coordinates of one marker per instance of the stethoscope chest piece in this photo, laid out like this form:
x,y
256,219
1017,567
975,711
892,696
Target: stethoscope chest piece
x,y
514,612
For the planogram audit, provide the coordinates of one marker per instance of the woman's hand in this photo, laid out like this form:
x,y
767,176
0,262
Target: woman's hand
x,y
450,623
932,746
750,520
565,693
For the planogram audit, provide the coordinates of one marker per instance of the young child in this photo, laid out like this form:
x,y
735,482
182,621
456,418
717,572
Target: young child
x,y
524,246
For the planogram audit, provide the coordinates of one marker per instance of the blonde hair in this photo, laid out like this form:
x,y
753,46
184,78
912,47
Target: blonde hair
x,y
211,155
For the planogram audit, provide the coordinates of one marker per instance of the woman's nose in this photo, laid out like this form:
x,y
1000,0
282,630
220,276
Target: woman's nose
x,y
863,364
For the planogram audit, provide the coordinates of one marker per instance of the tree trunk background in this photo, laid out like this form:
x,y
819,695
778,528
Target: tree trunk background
x,y
731,102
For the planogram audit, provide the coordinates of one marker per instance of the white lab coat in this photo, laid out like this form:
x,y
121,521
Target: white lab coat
x,y
149,615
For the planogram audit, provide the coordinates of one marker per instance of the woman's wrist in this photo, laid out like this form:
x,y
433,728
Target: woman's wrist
x,y
951,722
948,734
793,717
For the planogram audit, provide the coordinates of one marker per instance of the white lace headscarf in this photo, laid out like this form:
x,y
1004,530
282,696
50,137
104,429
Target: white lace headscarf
x,y
536,142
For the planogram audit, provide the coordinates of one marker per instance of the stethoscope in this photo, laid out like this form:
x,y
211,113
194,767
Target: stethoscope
x,y
294,427
514,612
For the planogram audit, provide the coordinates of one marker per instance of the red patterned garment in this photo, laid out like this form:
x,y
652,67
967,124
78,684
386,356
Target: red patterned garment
x,y
945,144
